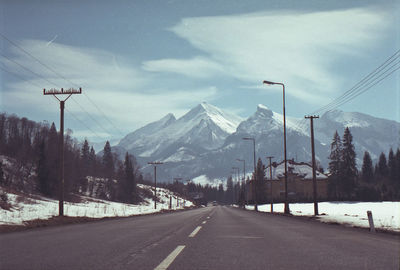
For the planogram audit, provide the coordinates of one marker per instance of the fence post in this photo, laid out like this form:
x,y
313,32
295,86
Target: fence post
x,y
371,222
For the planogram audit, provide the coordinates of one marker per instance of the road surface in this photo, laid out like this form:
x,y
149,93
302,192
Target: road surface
x,y
206,238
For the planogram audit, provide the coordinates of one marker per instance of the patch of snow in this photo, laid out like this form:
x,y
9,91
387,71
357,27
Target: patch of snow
x,y
386,215
44,208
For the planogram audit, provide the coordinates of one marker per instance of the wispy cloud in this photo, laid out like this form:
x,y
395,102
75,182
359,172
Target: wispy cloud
x,y
297,48
197,67
126,94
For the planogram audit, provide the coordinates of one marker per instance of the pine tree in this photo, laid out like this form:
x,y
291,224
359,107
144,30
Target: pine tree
x,y
85,158
108,161
392,169
260,182
348,165
382,168
334,165
92,162
130,183
367,173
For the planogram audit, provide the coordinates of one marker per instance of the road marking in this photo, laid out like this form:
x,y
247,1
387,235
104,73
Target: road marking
x,y
171,257
208,217
204,222
193,234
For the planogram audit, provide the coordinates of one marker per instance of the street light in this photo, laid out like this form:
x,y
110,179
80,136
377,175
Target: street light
x,y
287,211
244,177
254,161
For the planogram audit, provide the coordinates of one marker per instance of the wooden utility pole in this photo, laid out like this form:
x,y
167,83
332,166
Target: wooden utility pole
x,y
270,178
155,163
56,92
313,163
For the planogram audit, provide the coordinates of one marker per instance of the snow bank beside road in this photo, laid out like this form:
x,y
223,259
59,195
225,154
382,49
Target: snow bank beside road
x,y
386,214
31,208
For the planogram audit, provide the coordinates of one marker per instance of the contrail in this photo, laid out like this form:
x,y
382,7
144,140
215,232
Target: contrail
x,y
51,41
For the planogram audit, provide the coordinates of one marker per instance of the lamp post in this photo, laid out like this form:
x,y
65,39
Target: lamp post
x,y
244,177
287,211
254,161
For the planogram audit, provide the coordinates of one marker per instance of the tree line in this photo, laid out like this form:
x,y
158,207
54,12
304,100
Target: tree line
x,y
371,183
35,149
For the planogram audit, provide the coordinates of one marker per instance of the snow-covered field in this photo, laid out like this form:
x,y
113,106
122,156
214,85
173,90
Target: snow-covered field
x,y
386,215
43,208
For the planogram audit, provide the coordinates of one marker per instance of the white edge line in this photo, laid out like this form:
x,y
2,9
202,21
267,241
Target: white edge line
x,y
193,234
171,257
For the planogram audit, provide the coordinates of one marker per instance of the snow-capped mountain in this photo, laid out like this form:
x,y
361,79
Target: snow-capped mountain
x,y
203,128
207,141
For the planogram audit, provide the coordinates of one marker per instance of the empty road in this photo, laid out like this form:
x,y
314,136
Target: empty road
x,y
205,238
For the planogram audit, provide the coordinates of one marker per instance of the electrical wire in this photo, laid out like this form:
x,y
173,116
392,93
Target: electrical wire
x,y
64,78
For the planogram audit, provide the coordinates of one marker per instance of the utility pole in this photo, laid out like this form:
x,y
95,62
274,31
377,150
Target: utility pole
x,y
270,178
155,163
313,163
56,92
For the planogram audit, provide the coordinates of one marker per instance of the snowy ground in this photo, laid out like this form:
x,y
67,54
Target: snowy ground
x,y
386,215
25,209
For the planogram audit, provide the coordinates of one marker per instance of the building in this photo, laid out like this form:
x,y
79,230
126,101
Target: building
x,y
300,183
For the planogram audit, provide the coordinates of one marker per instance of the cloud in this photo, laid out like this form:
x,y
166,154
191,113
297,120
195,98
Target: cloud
x,y
128,96
197,67
297,48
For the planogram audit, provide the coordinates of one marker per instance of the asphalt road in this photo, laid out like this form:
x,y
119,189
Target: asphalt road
x,y
206,238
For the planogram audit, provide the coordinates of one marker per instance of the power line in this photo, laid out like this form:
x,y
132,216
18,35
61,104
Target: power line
x,y
28,69
376,74
70,112
61,76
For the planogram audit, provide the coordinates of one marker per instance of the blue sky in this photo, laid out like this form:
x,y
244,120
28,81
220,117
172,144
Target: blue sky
x,y
139,60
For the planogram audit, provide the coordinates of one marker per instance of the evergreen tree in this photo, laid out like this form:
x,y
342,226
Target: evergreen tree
x,y
260,182
85,158
392,169
130,183
334,165
367,172
108,161
382,168
348,165
92,163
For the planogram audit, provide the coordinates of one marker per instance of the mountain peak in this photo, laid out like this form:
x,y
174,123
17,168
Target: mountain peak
x,y
264,111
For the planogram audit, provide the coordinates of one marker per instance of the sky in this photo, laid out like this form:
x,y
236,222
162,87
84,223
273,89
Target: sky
x,y
137,61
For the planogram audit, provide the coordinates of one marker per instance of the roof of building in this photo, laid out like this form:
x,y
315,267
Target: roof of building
x,y
302,169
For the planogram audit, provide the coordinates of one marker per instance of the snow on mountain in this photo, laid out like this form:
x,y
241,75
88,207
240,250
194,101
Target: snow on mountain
x,y
206,142
265,120
203,128
371,134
